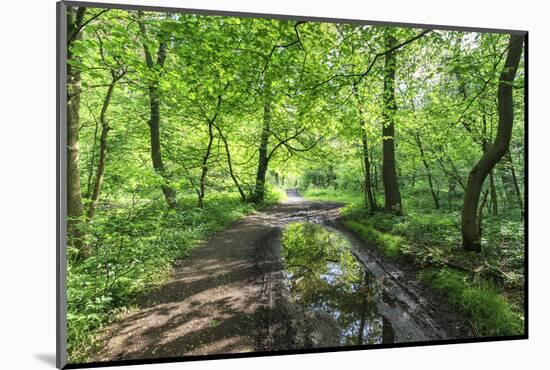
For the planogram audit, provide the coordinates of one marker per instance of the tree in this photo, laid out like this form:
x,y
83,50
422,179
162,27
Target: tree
x,y
367,181
471,232
392,202
155,67
75,209
116,73
428,171
263,156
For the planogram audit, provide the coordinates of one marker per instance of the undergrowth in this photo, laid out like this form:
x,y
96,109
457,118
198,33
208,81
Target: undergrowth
x,y
487,288
489,312
134,251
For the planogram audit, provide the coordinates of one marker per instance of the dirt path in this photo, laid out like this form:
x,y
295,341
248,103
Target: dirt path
x,y
227,296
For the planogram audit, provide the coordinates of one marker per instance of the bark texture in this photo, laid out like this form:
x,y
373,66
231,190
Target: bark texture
x,y
103,147
373,207
154,119
263,160
75,210
392,202
471,234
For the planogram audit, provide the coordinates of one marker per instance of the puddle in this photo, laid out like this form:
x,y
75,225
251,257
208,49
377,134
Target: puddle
x,y
338,295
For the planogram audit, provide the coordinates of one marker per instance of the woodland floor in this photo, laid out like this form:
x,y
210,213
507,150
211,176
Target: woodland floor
x,y
228,296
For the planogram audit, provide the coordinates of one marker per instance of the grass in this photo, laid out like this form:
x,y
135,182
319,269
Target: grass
x,y
134,251
490,295
389,245
331,195
489,312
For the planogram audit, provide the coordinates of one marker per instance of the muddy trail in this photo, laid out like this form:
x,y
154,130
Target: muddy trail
x,y
233,294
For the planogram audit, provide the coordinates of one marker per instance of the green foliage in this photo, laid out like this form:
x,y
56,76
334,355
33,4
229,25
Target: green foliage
x,y
390,246
274,195
314,193
489,312
430,240
228,80
133,253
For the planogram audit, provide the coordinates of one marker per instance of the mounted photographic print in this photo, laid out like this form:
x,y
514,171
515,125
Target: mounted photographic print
x,y
234,184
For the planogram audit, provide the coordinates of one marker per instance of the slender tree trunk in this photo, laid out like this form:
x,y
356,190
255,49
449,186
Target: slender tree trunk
x,y
259,191
154,119
102,151
389,173
480,212
204,171
366,165
516,185
156,155
89,182
367,171
450,192
428,172
470,228
494,196
230,165
75,210
375,178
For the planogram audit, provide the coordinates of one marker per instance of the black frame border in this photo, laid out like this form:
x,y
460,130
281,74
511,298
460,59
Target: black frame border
x,y
61,191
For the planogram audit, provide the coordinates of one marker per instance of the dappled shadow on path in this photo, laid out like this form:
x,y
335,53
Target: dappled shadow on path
x,y
219,299
210,304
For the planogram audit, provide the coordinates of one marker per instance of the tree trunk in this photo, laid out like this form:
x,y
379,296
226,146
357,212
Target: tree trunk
x,y
470,229
204,171
516,185
259,191
389,173
370,202
91,165
373,207
230,165
75,210
156,156
494,197
428,172
376,177
102,151
480,212
154,120
450,192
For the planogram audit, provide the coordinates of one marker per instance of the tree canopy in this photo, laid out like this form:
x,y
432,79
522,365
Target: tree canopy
x,y
172,113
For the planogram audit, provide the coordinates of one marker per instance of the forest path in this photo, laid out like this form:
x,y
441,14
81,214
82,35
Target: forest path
x,y
228,295
216,298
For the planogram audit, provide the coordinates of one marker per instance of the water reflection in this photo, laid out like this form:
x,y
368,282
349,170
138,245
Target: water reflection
x,y
338,294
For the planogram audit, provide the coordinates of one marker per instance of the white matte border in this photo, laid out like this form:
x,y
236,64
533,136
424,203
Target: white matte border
x,y
27,185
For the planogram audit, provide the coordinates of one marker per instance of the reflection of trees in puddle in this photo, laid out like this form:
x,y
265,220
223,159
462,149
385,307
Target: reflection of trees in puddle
x,y
326,279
